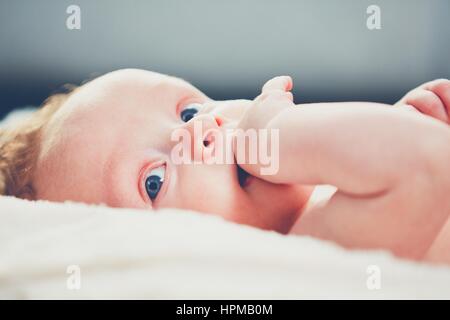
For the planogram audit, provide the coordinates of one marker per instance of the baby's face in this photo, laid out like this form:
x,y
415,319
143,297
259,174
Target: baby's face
x,y
111,143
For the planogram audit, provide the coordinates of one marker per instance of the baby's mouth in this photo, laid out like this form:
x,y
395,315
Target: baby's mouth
x,y
243,177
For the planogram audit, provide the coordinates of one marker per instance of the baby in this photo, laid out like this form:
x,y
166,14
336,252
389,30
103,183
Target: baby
x,y
111,142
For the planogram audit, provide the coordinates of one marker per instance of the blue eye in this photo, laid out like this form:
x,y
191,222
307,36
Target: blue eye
x,y
154,182
189,112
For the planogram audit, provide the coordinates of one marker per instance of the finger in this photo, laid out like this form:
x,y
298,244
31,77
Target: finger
x,y
408,107
283,83
441,88
274,96
285,96
428,103
277,104
289,96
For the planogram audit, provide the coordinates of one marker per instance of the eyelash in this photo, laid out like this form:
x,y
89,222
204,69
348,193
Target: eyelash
x,y
184,105
145,174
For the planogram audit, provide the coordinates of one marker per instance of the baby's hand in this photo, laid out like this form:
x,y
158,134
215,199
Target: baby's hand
x,y
275,97
431,98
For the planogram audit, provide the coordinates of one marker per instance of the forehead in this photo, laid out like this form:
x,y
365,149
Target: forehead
x,y
123,93
126,86
137,77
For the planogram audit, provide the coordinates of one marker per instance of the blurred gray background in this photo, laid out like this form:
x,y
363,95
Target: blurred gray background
x,y
227,48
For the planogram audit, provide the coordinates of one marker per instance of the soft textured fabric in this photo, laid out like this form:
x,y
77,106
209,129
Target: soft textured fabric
x,y
124,253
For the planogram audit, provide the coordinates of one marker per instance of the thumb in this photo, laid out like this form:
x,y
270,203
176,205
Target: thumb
x,y
283,83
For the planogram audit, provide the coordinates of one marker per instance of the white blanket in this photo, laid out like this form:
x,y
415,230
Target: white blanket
x,y
123,253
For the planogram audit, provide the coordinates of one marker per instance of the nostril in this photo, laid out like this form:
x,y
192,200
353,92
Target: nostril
x,y
208,139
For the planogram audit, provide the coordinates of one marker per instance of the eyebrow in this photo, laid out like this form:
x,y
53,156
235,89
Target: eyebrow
x,y
190,96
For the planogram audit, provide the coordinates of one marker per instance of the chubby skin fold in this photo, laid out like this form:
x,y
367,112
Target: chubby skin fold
x,y
389,163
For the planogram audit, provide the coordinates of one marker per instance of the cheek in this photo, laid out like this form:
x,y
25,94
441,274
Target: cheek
x,y
205,188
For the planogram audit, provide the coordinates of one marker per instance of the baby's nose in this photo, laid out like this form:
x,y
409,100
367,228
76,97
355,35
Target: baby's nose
x,y
207,120
229,111
201,129
208,109
225,112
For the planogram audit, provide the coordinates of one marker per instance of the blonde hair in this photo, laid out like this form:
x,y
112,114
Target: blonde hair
x,y
20,146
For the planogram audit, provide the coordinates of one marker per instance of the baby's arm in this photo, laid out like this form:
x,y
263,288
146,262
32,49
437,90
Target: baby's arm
x,y
433,99
390,168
